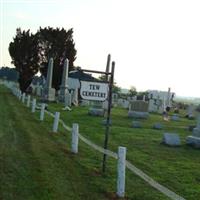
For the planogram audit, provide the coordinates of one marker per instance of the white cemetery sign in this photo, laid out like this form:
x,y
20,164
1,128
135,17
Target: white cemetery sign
x,y
94,91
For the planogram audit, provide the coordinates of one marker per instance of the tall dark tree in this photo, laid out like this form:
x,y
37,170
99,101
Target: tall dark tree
x,y
58,44
24,53
132,92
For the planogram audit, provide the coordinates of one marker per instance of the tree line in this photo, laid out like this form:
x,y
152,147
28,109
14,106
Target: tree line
x,y
30,53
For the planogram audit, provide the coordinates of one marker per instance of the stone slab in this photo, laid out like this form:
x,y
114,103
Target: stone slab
x,y
193,141
136,124
138,115
96,112
171,139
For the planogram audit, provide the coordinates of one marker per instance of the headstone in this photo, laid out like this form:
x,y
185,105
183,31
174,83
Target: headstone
x,y
125,104
175,118
136,124
193,141
196,130
64,86
140,106
96,108
96,111
138,110
49,92
152,106
138,115
168,102
158,126
105,105
38,89
171,139
190,111
75,97
104,122
68,100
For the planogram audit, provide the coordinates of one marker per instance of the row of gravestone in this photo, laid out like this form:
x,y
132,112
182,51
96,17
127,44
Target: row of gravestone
x,y
48,94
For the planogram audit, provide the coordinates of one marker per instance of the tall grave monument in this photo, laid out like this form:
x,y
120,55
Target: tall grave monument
x,y
64,93
49,92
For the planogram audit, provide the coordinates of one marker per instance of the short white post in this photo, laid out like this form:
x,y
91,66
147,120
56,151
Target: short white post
x,y
75,131
23,97
121,168
33,105
56,121
42,112
28,101
19,94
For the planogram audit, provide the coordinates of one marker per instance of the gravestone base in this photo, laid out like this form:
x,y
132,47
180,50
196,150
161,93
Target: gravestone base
x,y
193,141
171,139
96,112
138,115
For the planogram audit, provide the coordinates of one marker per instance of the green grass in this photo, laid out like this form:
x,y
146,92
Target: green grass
x,y
37,164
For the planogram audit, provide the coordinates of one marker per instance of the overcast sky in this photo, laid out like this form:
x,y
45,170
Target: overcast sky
x,y
155,43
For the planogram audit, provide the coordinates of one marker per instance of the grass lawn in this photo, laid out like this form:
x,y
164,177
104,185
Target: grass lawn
x,y
37,164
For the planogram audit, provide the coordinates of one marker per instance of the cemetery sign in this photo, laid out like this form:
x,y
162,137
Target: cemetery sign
x,y
94,91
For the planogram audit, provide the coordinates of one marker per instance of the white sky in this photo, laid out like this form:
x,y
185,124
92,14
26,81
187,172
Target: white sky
x,y
155,43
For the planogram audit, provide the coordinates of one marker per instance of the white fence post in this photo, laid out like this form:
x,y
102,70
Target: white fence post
x,y
28,101
19,94
23,97
56,121
33,105
42,112
75,131
121,168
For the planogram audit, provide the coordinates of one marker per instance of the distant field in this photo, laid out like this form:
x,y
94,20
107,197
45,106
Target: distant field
x,y
37,164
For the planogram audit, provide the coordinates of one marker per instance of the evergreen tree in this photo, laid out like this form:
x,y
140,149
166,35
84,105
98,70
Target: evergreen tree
x,y
24,54
58,44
